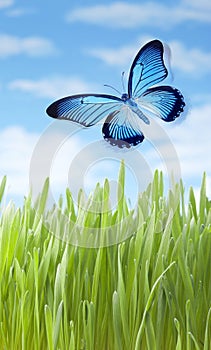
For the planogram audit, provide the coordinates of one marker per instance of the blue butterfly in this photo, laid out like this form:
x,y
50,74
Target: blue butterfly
x,y
121,125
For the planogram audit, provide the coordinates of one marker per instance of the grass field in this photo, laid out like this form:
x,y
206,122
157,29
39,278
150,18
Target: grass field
x,y
145,283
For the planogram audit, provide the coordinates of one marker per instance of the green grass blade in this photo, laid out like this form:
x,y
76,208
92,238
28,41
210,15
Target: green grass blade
x,y
117,321
2,187
57,325
203,197
49,327
207,337
148,305
179,341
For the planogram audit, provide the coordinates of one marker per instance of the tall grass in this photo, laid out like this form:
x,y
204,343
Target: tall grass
x,y
150,291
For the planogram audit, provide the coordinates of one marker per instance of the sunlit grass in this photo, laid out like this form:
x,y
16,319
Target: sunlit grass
x,y
150,291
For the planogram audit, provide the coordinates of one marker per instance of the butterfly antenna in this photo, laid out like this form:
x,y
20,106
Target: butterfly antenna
x,y
123,81
112,88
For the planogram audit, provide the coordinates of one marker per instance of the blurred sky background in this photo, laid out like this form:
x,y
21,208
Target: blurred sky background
x,y
50,49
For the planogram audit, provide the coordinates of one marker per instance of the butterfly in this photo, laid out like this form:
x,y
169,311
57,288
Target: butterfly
x,y
144,97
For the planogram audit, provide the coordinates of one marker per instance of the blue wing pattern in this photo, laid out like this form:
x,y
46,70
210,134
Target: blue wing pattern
x,y
121,126
121,129
165,102
85,109
147,69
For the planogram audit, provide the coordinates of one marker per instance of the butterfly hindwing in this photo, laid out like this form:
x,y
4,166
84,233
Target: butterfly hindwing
x,y
165,102
121,129
147,68
87,109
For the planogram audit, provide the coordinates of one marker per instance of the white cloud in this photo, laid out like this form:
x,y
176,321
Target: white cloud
x,y
62,152
31,46
16,155
192,141
53,87
18,12
119,14
6,3
193,61
129,15
203,4
16,145
190,60
120,56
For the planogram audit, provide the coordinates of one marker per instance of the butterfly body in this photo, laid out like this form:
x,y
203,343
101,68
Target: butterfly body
x,y
135,109
121,126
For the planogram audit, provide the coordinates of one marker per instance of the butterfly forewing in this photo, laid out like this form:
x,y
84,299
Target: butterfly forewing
x,y
86,109
147,69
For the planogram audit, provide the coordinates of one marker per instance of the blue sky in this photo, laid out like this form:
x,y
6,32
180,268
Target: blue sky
x,y
52,49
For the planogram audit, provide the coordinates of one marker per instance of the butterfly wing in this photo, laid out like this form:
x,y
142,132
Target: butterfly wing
x,y
87,109
147,69
165,102
121,128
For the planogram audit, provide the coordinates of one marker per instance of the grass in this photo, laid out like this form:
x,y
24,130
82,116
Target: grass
x,y
144,284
